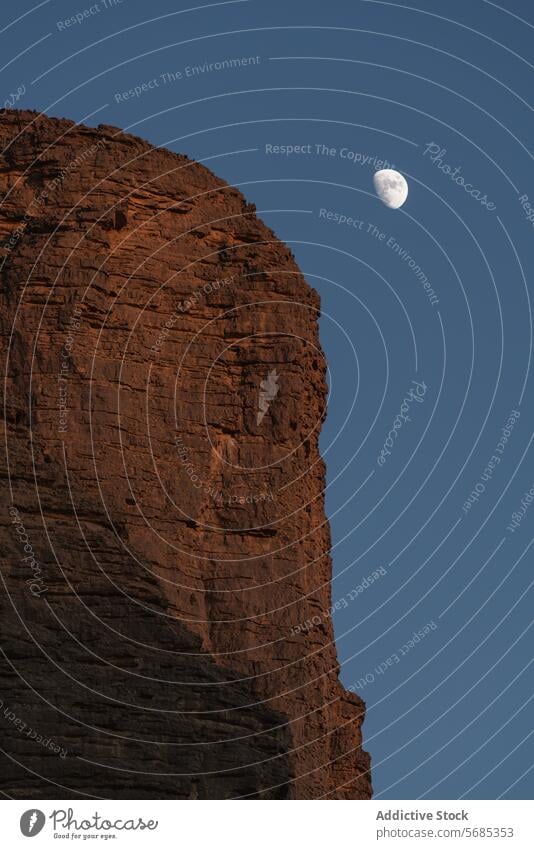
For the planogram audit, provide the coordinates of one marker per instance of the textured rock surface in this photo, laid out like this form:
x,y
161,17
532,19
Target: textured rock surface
x,y
163,394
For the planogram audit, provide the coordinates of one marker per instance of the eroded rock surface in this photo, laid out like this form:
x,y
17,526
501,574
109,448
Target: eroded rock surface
x,y
163,532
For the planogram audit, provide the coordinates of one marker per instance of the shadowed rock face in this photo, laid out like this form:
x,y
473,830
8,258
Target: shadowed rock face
x,y
162,526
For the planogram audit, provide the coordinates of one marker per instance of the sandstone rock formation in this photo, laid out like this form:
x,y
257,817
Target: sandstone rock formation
x,y
163,532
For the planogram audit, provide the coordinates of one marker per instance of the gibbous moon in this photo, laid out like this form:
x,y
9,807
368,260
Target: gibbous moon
x,y
391,187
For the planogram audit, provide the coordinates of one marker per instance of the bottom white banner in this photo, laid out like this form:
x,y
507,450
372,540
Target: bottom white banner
x,y
266,824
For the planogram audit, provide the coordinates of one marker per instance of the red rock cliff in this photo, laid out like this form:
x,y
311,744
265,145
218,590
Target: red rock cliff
x,y
163,527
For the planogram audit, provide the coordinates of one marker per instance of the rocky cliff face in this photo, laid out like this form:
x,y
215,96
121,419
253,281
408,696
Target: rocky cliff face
x,y
162,529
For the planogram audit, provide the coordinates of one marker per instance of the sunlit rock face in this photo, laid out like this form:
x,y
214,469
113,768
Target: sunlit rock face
x,y
163,530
